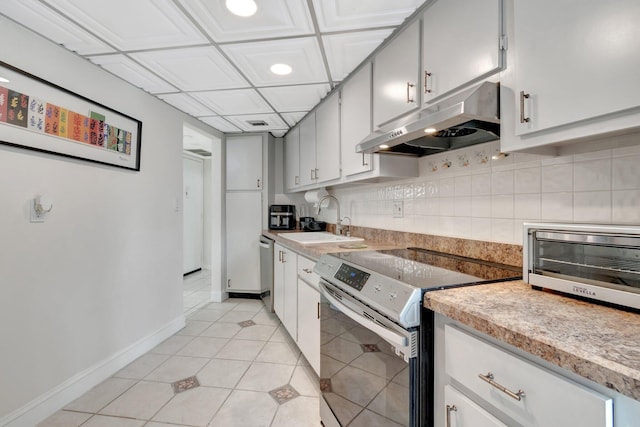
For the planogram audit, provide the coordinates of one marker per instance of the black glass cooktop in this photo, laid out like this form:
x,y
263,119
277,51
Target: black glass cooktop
x,y
426,269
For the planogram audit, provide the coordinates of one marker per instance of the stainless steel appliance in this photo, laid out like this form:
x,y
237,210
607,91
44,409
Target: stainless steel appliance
x,y
377,341
266,271
599,262
282,217
466,118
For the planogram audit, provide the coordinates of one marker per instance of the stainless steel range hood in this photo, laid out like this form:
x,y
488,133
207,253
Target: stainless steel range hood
x,y
467,118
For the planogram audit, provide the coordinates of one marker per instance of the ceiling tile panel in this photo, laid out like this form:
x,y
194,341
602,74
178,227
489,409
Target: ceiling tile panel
x,y
132,72
273,122
191,69
346,51
184,102
232,102
293,118
341,15
295,98
220,123
132,25
302,54
275,18
51,25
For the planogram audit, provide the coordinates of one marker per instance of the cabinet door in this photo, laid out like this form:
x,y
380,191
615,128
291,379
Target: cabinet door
x,y
328,139
395,76
278,280
290,309
244,162
308,150
309,323
460,44
577,63
355,121
292,159
460,411
244,227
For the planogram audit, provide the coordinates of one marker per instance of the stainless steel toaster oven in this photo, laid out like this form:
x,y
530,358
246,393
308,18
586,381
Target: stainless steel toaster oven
x,y
600,262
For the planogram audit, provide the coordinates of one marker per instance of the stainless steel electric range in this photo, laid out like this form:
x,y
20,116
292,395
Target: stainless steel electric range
x,y
376,340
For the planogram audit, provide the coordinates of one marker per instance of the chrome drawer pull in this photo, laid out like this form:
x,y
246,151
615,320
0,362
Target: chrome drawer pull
x,y
449,409
523,96
489,378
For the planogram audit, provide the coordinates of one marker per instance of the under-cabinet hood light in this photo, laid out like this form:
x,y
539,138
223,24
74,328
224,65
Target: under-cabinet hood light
x,y
4,80
242,7
430,130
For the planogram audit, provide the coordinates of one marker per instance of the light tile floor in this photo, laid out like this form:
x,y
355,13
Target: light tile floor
x,y
196,291
236,364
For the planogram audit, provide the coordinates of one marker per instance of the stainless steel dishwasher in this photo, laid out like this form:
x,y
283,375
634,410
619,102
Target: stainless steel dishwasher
x,y
266,271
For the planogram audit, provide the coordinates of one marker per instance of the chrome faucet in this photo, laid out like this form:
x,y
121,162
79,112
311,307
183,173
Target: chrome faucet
x,y
339,221
348,232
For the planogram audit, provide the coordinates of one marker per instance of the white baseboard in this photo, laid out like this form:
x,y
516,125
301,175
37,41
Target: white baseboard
x,y
218,296
48,403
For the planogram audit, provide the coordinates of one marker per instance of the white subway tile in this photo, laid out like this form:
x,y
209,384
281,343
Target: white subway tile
x,y
556,207
502,206
593,175
631,150
447,206
481,206
527,206
420,189
626,207
447,187
481,228
626,173
502,230
462,185
462,206
502,182
432,188
557,178
481,184
527,180
593,155
592,206
557,160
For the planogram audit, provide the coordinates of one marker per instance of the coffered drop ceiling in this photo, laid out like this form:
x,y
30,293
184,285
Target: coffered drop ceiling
x,y
213,65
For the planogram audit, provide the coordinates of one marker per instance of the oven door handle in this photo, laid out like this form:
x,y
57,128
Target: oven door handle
x,y
388,335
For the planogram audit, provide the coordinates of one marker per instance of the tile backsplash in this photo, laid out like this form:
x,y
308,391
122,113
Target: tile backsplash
x,y
475,193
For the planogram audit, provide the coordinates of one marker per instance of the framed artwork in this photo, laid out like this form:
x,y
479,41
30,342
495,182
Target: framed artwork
x,y
38,115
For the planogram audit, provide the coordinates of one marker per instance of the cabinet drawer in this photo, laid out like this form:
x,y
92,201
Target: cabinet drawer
x,y
546,399
305,272
460,411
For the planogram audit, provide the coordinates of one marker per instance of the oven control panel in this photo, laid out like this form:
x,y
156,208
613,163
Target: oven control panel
x,y
352,276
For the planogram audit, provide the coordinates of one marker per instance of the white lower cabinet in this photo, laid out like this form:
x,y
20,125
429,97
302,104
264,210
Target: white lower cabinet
x,y
285,288
309,313
510,388
460,411
244,227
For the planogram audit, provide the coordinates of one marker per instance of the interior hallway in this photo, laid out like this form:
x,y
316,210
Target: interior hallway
x,y
233,365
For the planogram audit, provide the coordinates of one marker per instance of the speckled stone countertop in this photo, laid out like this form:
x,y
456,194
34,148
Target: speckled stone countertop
x,y
596,342
314,251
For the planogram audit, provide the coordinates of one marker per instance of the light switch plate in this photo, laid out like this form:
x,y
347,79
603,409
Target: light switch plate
x,y
398,209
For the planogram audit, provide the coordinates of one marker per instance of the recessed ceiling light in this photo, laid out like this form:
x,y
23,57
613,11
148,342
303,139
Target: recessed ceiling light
x,y
241,7
383,146
281,69
4,80
430,130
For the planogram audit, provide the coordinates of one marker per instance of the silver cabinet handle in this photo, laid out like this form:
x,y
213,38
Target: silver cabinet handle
x,y
313,171
279,256
364,163
318,310
228,283
426,74
523,96
307,270
297,180
489,379
450,408
258,183
283,258
409,86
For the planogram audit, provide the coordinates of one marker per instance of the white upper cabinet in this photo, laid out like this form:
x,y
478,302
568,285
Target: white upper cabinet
x,y
355,121
244,162
396,69
572,71
308,150
328,139
292,159
461,44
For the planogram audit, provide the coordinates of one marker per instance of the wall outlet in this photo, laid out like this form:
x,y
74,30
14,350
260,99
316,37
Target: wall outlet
x,y
398,209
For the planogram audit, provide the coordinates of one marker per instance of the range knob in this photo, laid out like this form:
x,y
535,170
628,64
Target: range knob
x,y
393,295
377,288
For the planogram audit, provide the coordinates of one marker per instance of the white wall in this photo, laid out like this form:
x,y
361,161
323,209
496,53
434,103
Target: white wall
x,y
101,279
465,193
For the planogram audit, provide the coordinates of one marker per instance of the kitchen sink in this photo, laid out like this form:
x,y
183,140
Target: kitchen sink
x,y
310,238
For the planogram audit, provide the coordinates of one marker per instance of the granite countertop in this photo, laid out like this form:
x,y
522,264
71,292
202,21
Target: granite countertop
x,y
315,250
596,342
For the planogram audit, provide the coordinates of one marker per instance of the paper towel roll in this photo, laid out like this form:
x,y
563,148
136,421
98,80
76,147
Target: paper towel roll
x,y
314,196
